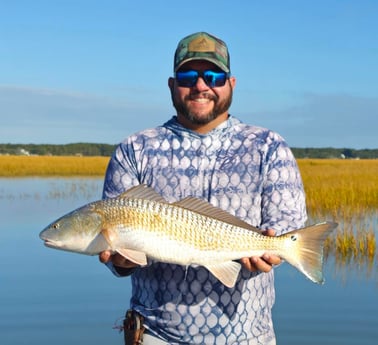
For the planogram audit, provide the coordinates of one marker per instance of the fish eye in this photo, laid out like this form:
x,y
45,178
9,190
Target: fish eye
x,y
55,226
293,237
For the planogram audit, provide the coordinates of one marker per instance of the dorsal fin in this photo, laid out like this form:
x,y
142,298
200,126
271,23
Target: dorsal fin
x,y
143,192
206,209
190,203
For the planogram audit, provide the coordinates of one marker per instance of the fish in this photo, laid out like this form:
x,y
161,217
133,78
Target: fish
x,y
140,225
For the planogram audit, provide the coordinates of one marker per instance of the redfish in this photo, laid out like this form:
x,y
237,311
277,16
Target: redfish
x,y
140,224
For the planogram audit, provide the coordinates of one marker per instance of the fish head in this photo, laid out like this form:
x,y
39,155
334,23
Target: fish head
x,y
78,231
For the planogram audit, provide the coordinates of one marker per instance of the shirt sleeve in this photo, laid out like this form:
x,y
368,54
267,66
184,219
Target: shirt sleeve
x,y
121,174
283,200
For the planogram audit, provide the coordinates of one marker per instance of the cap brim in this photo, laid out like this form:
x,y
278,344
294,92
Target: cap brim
x,y
214,61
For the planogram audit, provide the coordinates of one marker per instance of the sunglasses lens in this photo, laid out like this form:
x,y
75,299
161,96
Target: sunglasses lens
x,y
212,78
186,78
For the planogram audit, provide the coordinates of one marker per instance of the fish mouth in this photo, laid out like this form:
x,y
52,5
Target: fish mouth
x,y
52,244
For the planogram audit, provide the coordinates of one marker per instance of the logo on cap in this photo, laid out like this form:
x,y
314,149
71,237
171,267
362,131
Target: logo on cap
x,y
201,44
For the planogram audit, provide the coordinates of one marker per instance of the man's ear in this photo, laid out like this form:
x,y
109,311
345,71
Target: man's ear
x,y
171,82
232,82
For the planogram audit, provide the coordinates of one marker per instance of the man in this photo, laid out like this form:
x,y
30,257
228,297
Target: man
x,y
206,153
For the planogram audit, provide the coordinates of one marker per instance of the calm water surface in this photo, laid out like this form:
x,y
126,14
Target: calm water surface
x,y
54,297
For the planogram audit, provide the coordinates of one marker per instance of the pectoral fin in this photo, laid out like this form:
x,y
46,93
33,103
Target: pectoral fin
x,y
135,256
226,272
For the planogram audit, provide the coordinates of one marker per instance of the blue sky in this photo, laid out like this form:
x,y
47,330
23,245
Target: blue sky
x,y
96,70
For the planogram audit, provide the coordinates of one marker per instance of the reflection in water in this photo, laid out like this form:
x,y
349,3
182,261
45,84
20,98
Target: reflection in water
x,y
50,188
353,245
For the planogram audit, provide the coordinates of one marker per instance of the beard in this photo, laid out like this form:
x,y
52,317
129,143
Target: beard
x,y
220,107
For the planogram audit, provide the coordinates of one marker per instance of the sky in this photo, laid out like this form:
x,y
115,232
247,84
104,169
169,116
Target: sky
x,y
97,70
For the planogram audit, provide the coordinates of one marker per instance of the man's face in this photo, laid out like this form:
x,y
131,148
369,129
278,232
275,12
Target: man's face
x,y
201,104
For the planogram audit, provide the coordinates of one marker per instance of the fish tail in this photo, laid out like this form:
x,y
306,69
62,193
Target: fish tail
x,y
305,250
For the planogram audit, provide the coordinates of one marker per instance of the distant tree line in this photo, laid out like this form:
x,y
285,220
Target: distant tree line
x,y
76,149
90,149
330,152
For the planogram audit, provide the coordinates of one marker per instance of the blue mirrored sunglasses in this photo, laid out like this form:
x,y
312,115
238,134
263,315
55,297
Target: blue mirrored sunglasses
x,y
189,78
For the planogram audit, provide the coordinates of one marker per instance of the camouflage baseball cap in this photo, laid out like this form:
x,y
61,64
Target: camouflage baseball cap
x,y
202,46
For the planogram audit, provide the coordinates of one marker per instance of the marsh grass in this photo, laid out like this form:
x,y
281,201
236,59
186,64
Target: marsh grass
x,y
61,166
340,188
346,191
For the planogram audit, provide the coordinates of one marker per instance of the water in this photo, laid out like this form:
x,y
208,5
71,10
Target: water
x,y
50,296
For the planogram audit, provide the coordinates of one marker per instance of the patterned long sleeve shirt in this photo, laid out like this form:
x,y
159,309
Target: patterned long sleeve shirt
x,y
248,171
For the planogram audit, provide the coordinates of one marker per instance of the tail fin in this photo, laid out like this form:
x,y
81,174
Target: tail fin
x,y
305,249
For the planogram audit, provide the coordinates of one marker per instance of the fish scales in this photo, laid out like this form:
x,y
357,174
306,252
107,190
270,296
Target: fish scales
x,y
179,224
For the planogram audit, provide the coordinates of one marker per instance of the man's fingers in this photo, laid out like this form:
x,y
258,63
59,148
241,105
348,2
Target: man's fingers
x,y
105,256
249,264
272,259
116,259
255,263
260,264
120,261
263,264
269,232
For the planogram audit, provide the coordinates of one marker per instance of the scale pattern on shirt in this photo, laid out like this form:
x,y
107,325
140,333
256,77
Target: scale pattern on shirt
x,y
245,170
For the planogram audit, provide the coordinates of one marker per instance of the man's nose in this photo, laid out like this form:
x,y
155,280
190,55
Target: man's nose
x,y
201,84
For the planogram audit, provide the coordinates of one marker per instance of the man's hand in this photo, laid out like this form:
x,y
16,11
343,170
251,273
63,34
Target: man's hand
x,y
116,259
263,263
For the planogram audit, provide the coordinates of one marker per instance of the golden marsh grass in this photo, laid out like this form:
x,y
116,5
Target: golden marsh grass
x,y
341,188
347,192
62,166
